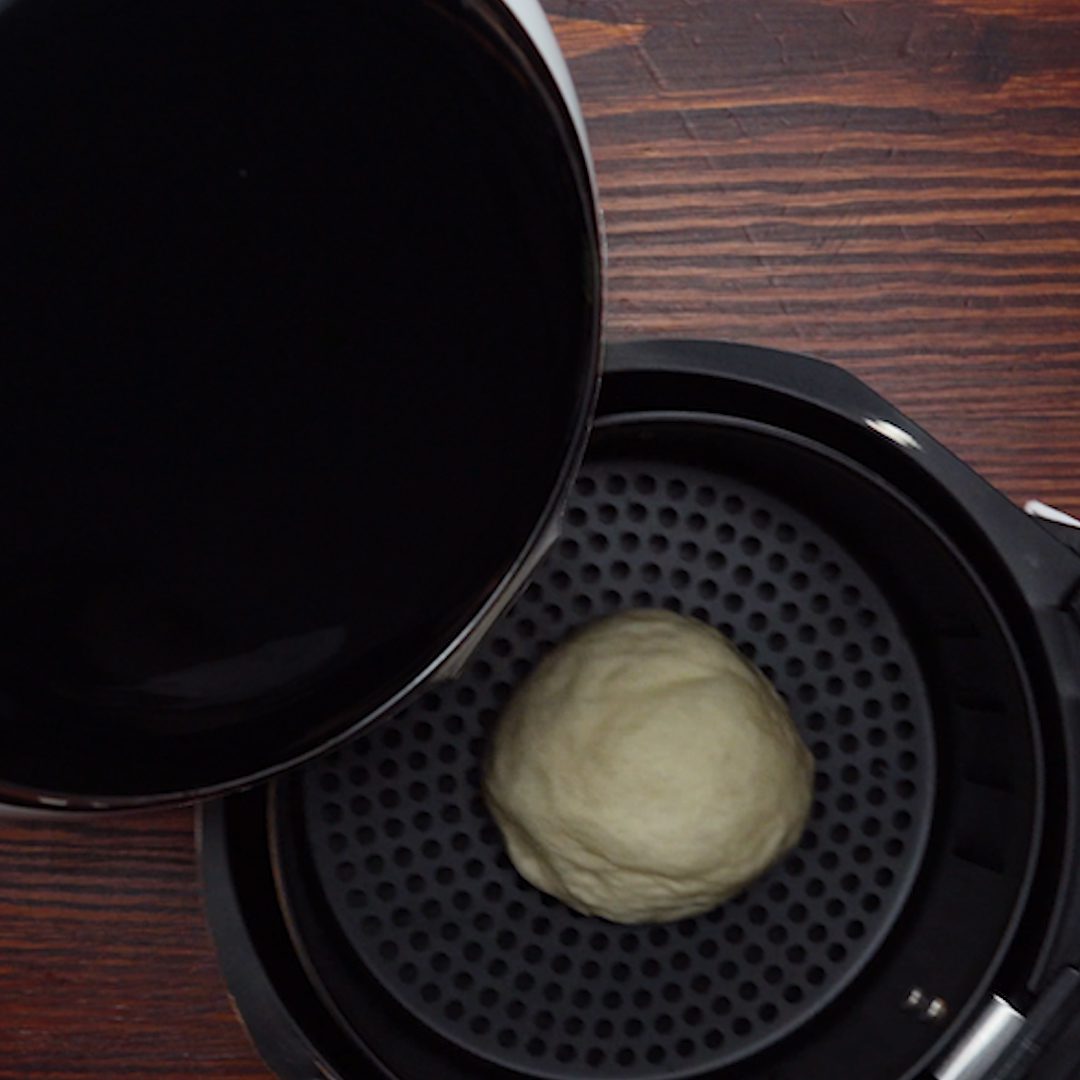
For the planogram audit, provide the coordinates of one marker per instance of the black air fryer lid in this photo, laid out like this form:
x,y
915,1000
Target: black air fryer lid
x,y
294,372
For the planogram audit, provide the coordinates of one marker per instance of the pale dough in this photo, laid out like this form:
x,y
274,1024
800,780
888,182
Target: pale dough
x,y
645,771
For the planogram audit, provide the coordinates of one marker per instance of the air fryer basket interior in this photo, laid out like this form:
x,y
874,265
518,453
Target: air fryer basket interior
x,y
437,959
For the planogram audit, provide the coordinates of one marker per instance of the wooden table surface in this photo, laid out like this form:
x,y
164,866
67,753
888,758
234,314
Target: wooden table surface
x,y
894,186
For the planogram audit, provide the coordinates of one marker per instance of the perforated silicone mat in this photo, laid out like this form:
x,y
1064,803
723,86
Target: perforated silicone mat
x,y
414,869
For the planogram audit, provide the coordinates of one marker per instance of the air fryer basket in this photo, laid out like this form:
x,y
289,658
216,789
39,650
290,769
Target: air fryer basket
x,y
424,954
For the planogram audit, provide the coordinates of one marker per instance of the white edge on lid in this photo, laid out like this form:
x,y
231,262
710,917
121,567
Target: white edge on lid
x,y
530,15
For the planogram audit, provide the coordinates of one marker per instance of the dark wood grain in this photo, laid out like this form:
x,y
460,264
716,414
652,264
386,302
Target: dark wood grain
x,y
891,185
106,967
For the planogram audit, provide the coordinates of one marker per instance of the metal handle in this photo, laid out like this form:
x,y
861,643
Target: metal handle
x,y
1047,1019
974,1056
1004,1044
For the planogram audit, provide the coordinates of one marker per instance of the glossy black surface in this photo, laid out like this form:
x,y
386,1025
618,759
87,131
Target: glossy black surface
x,y
282,399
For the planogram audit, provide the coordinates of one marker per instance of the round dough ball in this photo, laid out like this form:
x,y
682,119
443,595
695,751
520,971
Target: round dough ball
x,y
646,771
